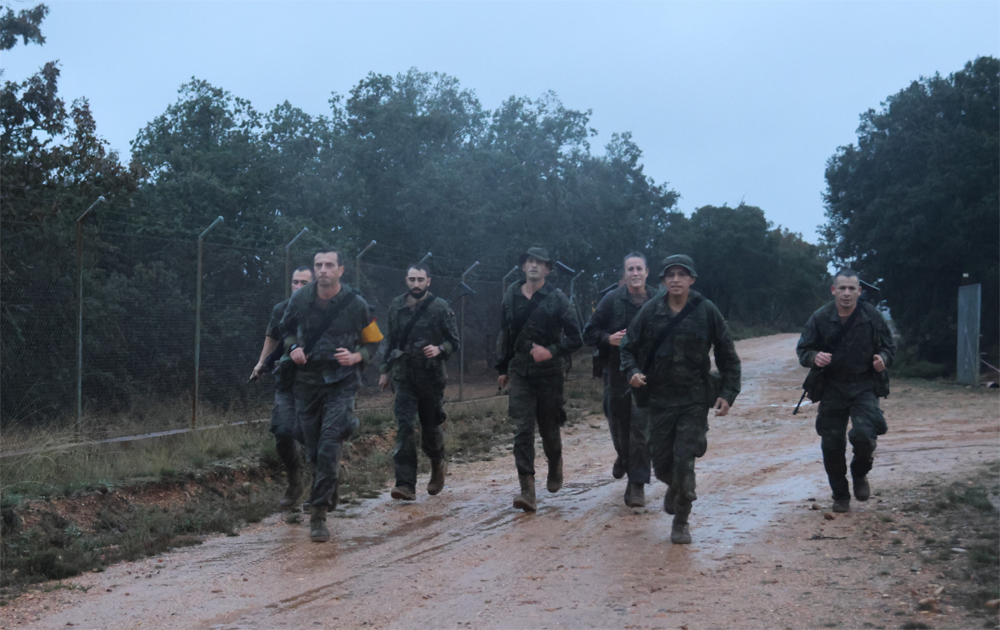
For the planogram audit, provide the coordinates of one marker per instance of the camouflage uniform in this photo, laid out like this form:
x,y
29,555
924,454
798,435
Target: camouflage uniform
x,y
536,389
628,431
419,381
324,390
283,425
678,383
851,389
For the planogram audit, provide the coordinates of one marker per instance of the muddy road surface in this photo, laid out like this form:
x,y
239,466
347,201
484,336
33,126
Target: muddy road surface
x,y
762,555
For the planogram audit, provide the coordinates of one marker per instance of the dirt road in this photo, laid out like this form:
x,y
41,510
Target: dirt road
x,y
761,557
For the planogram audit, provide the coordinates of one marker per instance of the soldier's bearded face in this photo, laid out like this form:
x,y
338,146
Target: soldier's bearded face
x,y
846,291
534,269
417,282
678,281
301,279
327,269
635,273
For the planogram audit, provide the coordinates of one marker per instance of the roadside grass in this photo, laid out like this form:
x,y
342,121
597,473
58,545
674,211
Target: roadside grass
x,y
953,529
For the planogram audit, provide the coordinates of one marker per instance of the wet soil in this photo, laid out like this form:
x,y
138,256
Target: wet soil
x,y
762,555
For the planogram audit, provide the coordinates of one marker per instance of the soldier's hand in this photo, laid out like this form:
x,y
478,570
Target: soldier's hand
x,y
721,407
822,359
346,357
431,351
616,339
383,382
638,380
257,369
540,353
299,356
878,363
502,381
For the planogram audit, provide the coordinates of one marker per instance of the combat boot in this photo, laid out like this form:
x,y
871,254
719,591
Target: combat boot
x,y
405,493
680,533
555,479
289,453
861,488
635,495
526,500
317,525
618,470
842,505
669,500
439,468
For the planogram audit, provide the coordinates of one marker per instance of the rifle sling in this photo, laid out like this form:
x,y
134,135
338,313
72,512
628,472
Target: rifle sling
x,y
687,310
405,338
522,321
331,314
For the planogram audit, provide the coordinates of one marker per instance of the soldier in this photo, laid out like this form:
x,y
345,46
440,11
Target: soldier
x,y
283,426
331,335
848,345
604,331
665,356
422,334
538,333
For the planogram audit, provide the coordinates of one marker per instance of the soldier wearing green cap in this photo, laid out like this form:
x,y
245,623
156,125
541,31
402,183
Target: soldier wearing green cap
x,y
850,343
665,356
538,333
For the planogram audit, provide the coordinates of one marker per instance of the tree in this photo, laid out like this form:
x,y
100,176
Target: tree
x,y
913,205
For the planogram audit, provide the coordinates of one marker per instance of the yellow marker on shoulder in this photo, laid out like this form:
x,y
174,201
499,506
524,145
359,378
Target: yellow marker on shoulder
x,y
371,333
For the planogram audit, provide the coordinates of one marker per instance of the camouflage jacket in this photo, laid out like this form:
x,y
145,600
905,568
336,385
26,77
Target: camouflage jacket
x,y
613,313
679,373
553,324
435,327
303,319
284,377
852,362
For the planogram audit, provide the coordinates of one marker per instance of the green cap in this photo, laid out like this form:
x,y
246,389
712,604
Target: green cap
x,y
538,253
679,260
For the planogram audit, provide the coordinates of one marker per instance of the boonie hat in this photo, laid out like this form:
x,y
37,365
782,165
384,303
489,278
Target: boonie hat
x,y
538,253
678,260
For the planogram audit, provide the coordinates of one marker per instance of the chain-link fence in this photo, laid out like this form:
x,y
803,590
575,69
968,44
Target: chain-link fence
x,y
139,322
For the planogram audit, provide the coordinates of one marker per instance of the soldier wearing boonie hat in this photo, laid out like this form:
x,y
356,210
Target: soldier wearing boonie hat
x,y
665,356
538,333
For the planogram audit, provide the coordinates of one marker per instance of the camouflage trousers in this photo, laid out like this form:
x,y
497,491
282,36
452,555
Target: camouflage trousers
x,y
284,425
326,418
867,423
536,401
677,436
413,404
628,431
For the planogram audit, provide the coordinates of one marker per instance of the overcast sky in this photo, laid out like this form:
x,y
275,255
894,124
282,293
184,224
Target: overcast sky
x,y
729,101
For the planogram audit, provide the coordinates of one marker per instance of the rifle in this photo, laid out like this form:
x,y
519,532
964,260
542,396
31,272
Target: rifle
x,y
269,362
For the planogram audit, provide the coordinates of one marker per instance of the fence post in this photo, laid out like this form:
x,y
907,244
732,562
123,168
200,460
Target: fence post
x,y
288,270
461,339
197,324
507,276
357,264
79,322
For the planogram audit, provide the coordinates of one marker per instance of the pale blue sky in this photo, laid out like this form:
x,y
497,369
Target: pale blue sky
x,y
729,101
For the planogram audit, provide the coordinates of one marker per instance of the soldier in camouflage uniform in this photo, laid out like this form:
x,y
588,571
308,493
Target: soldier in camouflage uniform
x,y
854,376
539,332
604,331
324,326
283,426
422,334
674,388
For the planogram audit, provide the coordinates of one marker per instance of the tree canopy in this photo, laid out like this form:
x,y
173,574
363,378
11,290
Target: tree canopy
x,y
913,205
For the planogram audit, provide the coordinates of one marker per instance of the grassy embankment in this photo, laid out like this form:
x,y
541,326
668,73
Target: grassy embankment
x,y
70,510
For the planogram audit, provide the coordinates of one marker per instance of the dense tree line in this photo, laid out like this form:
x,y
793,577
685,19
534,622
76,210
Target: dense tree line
x,y
914,204
413,161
